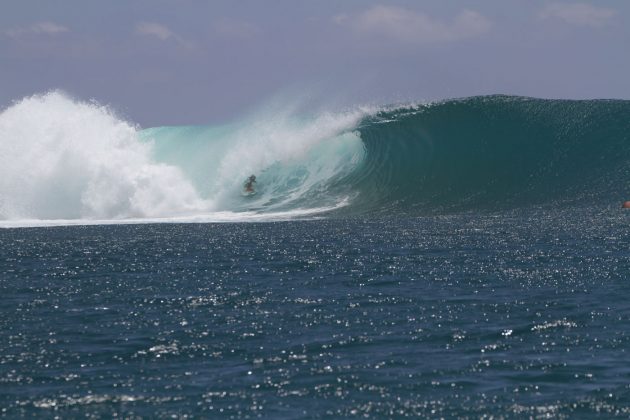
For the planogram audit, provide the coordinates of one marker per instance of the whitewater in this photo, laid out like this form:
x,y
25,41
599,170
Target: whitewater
x,y
65,161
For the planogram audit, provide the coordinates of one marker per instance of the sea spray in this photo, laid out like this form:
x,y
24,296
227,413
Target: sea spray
x,y
68,160
61,158
293,158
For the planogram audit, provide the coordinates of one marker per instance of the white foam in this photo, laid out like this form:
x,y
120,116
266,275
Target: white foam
x,y
61,158
214,217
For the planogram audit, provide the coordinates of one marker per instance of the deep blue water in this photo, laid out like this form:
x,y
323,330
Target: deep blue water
x,y
519,313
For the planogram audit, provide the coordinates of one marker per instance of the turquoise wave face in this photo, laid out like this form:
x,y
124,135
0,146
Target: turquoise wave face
x,y
297,164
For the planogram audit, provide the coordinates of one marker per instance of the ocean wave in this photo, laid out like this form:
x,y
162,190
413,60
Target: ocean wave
x,y
68,161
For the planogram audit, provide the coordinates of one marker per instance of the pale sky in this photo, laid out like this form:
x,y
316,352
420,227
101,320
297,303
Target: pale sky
x,y
163,62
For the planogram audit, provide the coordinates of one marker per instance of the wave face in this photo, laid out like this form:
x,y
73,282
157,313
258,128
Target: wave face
x,y
62,159
496,152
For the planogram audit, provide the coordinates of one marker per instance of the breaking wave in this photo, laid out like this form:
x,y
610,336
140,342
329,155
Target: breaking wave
x,y
67,161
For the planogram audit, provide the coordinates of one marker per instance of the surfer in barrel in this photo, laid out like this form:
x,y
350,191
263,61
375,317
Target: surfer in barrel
x,y
249,184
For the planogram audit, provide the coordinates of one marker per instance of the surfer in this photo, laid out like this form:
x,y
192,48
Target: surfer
x,y
249,184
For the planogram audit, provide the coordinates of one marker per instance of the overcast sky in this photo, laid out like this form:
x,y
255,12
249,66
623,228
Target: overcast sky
x,y
191,61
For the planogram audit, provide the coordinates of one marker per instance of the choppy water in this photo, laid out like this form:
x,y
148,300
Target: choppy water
x,y
519,313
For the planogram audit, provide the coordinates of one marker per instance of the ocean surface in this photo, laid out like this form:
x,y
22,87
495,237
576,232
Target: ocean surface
x,y
465,258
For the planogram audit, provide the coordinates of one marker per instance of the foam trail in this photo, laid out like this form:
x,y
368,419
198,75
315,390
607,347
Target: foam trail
x,y
213,217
